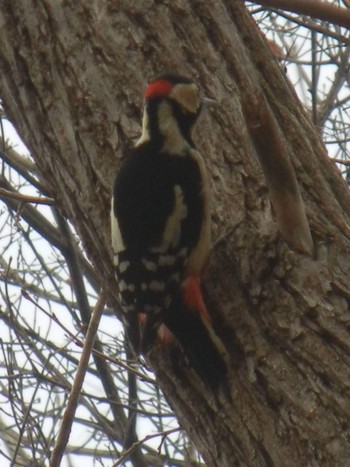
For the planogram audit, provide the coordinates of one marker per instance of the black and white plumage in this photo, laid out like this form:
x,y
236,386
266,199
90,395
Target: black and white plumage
x,y
161,228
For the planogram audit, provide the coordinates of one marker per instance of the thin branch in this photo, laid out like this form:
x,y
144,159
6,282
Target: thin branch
x,y
74,338
341,161
314,8
13,277
22,165
136,445
313,26
331,100
33,217
27,416
9,436
25,198
47,230
314,77
73,399
130,432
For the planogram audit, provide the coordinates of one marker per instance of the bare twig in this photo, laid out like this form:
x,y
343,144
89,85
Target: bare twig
x,y
341,161
136,445
79,343
47,230
312,25
25,198
332,98
73,399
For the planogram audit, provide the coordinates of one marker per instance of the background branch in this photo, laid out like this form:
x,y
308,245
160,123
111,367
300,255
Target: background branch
x,y
315,8
68,417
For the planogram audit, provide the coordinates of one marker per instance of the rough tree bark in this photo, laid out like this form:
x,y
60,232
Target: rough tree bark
x,y
72,75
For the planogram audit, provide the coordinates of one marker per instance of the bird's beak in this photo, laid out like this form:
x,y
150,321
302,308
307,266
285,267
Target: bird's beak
x,y
207,102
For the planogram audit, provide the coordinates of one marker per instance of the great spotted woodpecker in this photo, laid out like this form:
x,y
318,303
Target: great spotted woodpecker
x,y
161,230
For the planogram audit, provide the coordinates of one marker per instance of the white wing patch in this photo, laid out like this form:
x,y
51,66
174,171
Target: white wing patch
x,y
187,95
123,286
149,265
123,266
117,240
172,231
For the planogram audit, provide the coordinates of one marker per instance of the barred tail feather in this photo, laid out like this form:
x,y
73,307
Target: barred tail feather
x,y
186,321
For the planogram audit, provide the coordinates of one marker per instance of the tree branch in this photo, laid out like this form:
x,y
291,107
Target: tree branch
x,y
139,443
280,178
25,198
47,230
314,8
341,161
68,417
25,167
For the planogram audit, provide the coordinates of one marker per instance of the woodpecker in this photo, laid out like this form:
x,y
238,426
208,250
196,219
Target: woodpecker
x,y
161,230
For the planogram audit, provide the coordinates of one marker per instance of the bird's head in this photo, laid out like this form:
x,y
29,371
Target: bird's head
x,y
172,101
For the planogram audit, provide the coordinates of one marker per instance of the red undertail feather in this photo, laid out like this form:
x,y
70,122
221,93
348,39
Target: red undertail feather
x,y
189,322
193,298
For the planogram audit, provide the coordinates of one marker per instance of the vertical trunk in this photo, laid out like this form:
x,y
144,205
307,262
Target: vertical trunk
x,y
72,80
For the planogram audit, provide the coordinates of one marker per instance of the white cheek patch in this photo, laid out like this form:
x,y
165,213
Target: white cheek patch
x,y
174,142
187,95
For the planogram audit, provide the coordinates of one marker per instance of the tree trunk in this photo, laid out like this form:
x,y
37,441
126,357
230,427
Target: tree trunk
x,y
72,77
